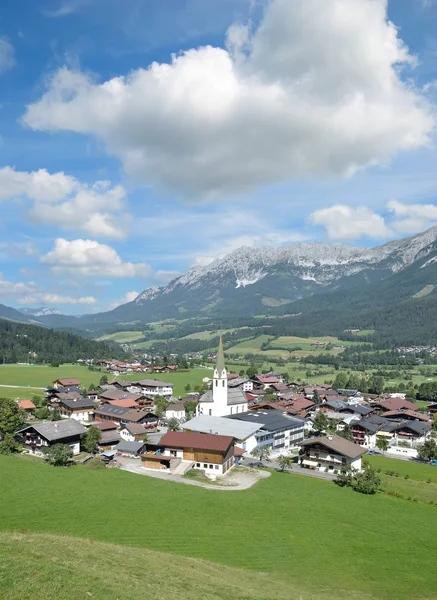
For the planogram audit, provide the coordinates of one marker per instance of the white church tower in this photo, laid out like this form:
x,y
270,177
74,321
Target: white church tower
x,y
220,384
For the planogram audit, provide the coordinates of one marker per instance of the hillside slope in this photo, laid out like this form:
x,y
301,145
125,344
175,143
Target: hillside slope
x,y
49,567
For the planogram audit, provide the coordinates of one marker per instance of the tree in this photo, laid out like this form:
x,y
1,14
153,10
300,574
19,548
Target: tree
x,y
59,455
367,481
11,417
161,405
9,444
190,408
187,388
346,433
251,371
320,422
262,453
434,421
173,424
344,477
103,380
285,462
427,450
382,444
42,413
56,415
91,439
316,397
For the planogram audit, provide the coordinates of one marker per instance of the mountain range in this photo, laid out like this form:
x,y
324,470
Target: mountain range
x,y
299,279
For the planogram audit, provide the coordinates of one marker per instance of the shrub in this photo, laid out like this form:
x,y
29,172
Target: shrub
x,y
95,463
428,481
406,477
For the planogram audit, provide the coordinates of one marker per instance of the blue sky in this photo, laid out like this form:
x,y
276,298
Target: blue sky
x,y
139,138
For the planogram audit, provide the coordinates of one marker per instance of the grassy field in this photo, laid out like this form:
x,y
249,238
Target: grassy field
x,y
123,337
40,376
47,567
320,540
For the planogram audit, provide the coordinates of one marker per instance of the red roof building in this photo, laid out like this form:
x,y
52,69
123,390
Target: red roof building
x,y
26,405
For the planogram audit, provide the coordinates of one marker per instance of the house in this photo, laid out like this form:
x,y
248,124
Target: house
x,y
39,436
124,403
80,409
396,403
243,433
131,449
432,409
265,381
155,387
364,433
108,429
121,416
27,405
221,400
132,432
66,382
277,431
241,382
55,395
213,454
407,415
175,411
93,395
412,432
330,452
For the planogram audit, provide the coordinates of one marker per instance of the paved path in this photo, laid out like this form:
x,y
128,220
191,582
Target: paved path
x,y
22,387
235,480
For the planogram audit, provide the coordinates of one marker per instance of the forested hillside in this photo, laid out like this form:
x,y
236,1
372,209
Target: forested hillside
x,y
22,343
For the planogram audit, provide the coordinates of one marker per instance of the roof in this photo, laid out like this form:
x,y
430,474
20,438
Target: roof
x,y
57,430
124,403
135,428
238,381
117,395
408,413
271,420
129,447
77,403
26,404
267,378
371,427
152,383
177,407
110,437
220,362
240,430
135,415
235,396
68,395
68,381
416,426
110,410
104,425
197,441
396,403
337,444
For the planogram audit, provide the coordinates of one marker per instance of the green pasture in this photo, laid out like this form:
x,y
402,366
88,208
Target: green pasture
x,y
321,540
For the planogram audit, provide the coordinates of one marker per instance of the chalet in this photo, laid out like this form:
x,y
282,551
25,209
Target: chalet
x,y
213,454
108,429
121,416
80,409
66,382
27,405
243,433
396,403
175,411
342,407
364,433
124,403
132,432
277,431
155,387
132,449
407,415
92,395
266,381
246,385
56,394
330,452
39,436
413,432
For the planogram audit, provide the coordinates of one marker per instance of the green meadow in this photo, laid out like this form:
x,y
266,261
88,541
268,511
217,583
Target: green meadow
x,y
320,540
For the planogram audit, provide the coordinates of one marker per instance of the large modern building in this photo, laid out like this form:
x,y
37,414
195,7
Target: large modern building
x,y
277,431
243,433
221,400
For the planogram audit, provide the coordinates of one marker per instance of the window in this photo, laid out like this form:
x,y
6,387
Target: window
x,y
210,412
223,383
231,410
211,466
205,466
198,465
216,383
216,467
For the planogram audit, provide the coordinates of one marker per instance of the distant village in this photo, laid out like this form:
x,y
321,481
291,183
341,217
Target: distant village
x,y
234,419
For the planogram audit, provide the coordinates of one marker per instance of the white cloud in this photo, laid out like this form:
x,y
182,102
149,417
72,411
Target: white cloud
x,y
62,200
7,58
18,249
412,218
127,297
88,258
30,293
315,91
65,9
344,223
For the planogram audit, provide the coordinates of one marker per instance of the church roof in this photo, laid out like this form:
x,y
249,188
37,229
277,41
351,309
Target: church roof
x,y
235,396
220,364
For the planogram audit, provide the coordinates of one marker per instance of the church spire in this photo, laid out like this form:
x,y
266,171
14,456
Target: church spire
x,y
220,364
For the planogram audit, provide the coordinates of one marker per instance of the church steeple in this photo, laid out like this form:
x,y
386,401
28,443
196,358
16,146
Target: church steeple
x,y
220,362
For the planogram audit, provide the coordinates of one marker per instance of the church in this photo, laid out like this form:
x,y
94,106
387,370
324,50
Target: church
x,y
221,401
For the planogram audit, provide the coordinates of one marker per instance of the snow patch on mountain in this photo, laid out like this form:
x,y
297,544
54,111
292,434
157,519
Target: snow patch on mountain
x,y
42,311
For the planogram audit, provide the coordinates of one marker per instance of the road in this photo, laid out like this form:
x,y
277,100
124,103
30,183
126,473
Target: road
x,y
22,387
